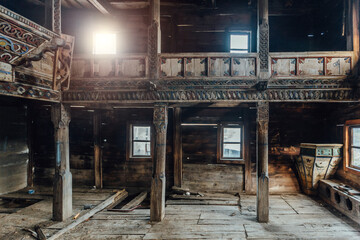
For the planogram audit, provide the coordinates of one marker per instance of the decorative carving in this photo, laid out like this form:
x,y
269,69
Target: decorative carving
x,y
261,85
212,94
13,46
60,116
160,117
63,64
264,46
153,35
27,91
263,113
57,16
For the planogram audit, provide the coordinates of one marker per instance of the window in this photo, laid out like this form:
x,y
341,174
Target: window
x,y
104,43
240,42
140,141
231,143
352,146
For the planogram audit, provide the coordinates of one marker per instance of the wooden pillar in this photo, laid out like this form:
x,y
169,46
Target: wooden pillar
x,y
247,154
177,148
62,200
56,9
30,142
263,39
262,197
352,33
158,184
154,39
97,149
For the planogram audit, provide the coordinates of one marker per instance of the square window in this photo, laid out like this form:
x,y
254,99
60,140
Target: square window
x,y
355,147
351,160
104,43
240,42
140,141
231,143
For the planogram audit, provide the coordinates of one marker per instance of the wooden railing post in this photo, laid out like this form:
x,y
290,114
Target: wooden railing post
x,y
97,149
262,200
158,184
62,200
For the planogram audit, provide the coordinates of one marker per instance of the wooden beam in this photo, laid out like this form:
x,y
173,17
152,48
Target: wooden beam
x,y
262,197
103,6
62,200
89,214
157,201
97,149
177,148
135,202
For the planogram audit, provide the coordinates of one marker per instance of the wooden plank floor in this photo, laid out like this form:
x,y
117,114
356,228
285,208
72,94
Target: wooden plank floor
x,y
11,225
291,217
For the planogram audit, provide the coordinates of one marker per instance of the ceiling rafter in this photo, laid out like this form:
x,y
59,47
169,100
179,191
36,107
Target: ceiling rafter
x,y
103,6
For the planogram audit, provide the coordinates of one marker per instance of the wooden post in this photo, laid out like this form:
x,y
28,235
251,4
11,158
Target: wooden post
x,y
30,142
177,148
157,201
56,9
352,33
62,200
262,197
263,39
154,39
97,149
247,154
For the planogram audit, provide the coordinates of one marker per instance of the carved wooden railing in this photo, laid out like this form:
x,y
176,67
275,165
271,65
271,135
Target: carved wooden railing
x,y
34,61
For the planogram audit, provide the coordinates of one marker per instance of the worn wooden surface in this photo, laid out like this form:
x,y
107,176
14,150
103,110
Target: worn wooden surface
x,y
177,150
292,217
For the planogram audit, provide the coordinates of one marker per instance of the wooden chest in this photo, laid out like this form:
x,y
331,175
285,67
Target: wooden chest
x,y
316,162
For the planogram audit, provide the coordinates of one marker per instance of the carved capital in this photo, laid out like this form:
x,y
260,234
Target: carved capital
x,y
263,114
60,116
160,117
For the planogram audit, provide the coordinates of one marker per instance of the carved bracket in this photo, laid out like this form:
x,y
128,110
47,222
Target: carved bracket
x,y
160,117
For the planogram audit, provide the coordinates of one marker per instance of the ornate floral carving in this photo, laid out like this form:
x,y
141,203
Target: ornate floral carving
x,y
153,35
264,46
57,16
160,117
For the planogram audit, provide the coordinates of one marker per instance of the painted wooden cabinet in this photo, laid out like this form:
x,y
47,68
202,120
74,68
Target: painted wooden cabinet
x,y
316,162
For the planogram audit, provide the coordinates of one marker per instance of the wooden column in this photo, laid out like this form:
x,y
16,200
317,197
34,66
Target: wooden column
x,y
263,39
262,197
177,148
352,33
154,39
62,200
158,184
247,154
97,149
30,141
56,9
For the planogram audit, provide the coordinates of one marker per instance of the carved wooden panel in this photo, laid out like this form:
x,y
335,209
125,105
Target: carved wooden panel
x,y
131,67
220,67
5,72
283,66
338,66
104,67
244,67
81,68
172,67
311,66
196,67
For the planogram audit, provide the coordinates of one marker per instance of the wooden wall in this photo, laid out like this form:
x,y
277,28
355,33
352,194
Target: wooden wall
x,y
117,171
14,150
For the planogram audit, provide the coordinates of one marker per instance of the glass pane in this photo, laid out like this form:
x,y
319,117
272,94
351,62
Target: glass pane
x,y
104,43
355,157
141,149
232,134
356,136
231,150
141,133
239,41
239,51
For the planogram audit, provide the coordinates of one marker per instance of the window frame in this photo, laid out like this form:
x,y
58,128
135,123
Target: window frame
x,y
348,126
248,34
130,141
220,145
